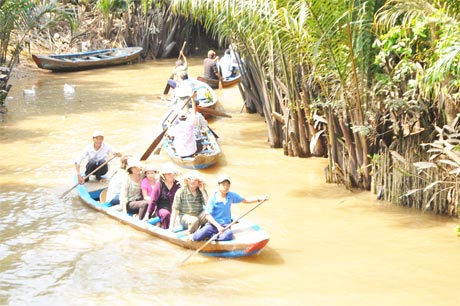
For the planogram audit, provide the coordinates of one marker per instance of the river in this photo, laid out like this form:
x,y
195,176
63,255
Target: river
x,y
328,246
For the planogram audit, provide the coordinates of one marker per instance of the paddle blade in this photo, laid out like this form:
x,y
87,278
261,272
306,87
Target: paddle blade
x,y
210,111
166,91
154,144
67,192
157,151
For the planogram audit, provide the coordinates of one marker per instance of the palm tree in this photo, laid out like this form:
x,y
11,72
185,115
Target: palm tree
x,y
21,21
432,50
306,70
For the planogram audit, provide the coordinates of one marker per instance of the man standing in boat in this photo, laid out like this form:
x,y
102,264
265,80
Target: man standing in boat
x,y
97,153
218,211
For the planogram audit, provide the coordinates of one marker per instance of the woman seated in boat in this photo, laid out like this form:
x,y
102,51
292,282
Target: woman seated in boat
x,y
149,180
131,200
189,201
113,191
163,195
218,211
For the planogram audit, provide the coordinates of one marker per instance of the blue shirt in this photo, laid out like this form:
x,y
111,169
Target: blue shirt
x,y
221,211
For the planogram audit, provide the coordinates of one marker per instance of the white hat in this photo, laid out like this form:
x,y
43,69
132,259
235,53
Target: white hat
x,y
134,163
150,167
168,168
97,133
194,175
222,178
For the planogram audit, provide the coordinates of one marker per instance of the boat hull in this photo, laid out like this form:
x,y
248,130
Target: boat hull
x,y
226,82
87,60
205,159
205,97
249,238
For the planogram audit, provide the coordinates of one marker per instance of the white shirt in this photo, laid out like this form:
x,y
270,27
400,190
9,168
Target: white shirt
x,y
115,184
90,153
201,123
226,65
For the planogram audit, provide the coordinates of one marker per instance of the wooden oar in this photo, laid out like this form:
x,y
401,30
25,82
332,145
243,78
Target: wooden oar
x,y
85,177
214,133
157,151
165,92
221,84
220,232
210,111
158,139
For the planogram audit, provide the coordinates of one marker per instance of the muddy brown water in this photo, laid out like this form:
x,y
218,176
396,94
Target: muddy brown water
x,y
328,246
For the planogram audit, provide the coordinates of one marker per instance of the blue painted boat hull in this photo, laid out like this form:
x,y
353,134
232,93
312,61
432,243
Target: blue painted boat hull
x,y
249,238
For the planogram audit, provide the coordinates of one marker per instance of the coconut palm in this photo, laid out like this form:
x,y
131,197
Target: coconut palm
x,y
306,64
432,48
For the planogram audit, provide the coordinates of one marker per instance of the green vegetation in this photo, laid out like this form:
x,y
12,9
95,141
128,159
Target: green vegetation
x,y
364,79
22,21
364,83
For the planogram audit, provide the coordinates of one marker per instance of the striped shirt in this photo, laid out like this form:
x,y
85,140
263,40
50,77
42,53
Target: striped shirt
x,y
186,203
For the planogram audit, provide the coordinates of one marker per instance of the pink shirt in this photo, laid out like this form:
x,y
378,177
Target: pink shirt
x,y
184,136
145,185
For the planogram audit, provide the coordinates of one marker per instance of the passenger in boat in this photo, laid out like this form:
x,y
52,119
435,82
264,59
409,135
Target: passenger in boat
x,y
211,70
184,88
113,191
163,195
226,65
183,133
149,180
97,154
200,124
189,201
131,200
218,211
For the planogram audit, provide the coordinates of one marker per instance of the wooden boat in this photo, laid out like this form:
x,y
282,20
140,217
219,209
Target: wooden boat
x,y
205,96
204,159
87,60
249,238
226,82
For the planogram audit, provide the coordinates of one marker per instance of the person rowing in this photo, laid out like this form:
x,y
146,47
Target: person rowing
x,y
96,153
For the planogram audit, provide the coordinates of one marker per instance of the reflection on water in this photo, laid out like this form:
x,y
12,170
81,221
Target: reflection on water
x,y
328,246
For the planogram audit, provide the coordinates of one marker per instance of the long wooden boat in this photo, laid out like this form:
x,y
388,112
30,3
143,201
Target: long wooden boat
x,y
226,82
205,97
204,159
87,60
249,238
